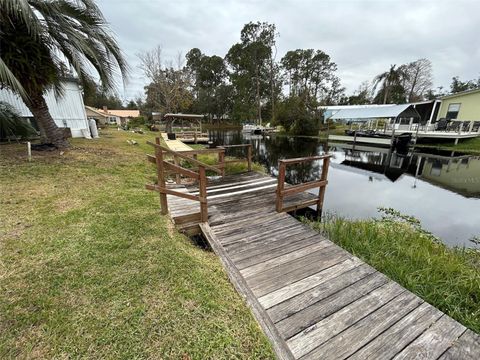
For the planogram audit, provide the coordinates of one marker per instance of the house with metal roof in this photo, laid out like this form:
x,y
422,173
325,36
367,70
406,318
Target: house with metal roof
x,y
330,110
396,114
67,110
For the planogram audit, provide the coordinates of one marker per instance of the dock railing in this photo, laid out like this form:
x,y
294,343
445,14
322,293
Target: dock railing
x,y
321,184
164,166
195,135
169,163
247,156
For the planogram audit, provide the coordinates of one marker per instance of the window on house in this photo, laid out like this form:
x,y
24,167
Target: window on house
x,y
453,110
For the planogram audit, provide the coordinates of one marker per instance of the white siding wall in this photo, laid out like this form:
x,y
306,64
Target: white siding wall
x,y
67,111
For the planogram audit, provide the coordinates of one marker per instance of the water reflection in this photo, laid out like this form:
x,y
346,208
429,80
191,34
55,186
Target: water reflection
x,y
440,189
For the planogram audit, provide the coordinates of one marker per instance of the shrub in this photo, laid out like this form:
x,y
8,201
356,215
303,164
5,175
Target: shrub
x,y
137,122
296,118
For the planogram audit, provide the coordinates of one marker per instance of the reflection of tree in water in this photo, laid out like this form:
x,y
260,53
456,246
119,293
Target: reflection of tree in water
x,y
222,137
281,147
268,150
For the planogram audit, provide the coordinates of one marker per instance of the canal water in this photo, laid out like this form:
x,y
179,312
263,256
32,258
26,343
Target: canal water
x,y
441,189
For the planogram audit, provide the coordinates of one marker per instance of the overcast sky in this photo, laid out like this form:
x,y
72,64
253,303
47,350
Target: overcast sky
x,y
363,37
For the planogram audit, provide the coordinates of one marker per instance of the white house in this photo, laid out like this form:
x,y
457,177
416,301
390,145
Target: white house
x,y
67,111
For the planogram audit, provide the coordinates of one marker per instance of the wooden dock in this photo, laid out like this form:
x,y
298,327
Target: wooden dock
x,y
313,299
176,145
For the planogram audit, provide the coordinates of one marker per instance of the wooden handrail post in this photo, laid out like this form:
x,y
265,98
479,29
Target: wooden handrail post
x,y
280,185
161,177
202,188
221,161
249,157
176,161
321,190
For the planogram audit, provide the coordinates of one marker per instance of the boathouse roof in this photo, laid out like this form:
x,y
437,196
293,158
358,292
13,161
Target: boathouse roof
x,y
183,116
363,114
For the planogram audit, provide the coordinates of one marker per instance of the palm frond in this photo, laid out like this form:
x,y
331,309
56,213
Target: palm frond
x,y
12,125
76,34
21,10
9,79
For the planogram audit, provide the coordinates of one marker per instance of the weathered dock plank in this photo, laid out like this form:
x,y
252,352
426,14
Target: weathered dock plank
x,y
313,299
434,341
466,347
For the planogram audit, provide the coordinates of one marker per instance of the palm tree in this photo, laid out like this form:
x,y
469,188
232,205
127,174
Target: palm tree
x,y
389,79
41,41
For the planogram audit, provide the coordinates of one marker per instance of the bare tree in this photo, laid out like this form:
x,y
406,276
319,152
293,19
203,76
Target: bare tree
x,y
170,84
418,79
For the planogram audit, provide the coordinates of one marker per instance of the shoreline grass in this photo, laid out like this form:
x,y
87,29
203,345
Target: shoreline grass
x,y
469,146
447,278
90,269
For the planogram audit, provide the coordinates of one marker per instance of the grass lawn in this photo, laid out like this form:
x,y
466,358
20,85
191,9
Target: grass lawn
x,y
467,146
447,278
89,268
338,129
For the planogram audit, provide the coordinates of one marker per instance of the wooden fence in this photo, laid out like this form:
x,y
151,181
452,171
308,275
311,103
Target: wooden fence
x,y
320,184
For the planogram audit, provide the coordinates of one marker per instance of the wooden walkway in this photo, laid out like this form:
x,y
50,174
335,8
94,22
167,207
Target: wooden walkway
x,y
313,299
176,145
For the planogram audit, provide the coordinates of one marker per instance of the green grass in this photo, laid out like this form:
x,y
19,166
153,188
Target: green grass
x,y
232,168
89,268
447,278
339,129
467,146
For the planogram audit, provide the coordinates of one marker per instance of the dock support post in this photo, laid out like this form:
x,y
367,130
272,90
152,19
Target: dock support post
x,y
249,157
202,188
392,141
280,186
221,161
178,179
161,177
321,190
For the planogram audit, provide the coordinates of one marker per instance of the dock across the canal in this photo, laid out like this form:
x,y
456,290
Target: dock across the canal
x,y
313,299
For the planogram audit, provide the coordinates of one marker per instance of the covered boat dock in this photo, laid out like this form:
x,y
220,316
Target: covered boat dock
x,y
397,120
190,136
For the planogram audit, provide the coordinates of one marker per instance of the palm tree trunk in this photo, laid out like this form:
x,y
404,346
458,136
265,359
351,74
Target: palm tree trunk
x,y
259,107
272,118
39,109
385,95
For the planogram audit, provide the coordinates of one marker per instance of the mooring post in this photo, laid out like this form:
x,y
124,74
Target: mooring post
x,y
178,179
221,161
321,190
161,177
280,185
249,157
202,188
